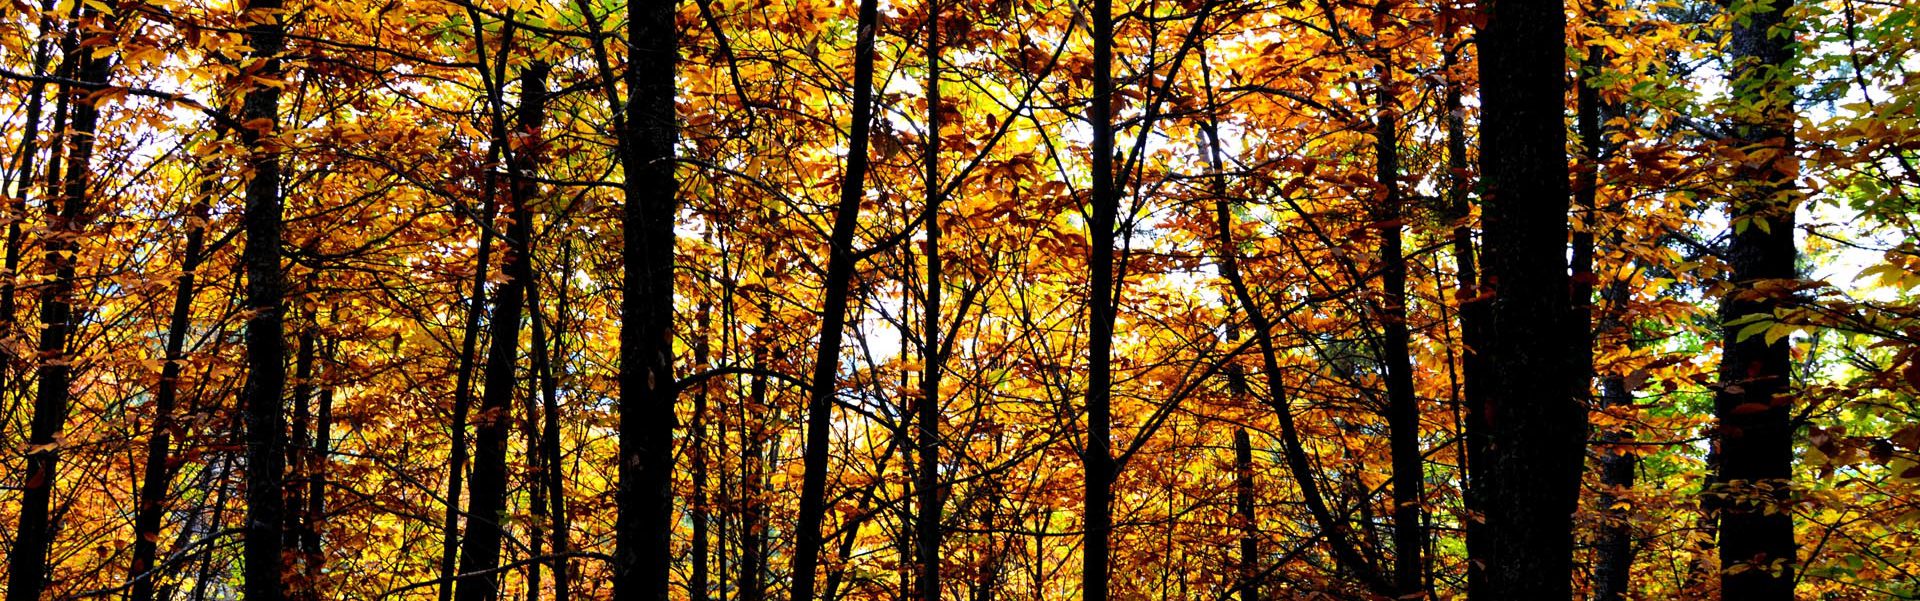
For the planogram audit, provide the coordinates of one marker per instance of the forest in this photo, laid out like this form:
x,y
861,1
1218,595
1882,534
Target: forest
x,y
981,300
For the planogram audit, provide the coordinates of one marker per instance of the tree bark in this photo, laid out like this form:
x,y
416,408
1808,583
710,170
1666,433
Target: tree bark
x,y
457,452
1403,407
932,359
1535,424
1243,508
1471,309
22,181
698,586
317,462
1097,458
266,329
554,474
157,476
840,268
295,535
1613,549
66,220
480,548
643,531
1754,397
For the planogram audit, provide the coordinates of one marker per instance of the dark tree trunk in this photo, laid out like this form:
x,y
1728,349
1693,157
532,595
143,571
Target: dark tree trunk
x,y
1403,408
1754,398
457,450
536,485
1472,309
1243,507
1097,513
157,476
66,219
1612,570
1333,527
22,181
932,359
1535,424
486,510
753,532
546,354
698,587
295,535
1613,547
840,267
266,329
643,531
317,463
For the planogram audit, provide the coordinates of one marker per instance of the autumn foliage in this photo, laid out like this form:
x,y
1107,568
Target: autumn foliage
x,y
947,299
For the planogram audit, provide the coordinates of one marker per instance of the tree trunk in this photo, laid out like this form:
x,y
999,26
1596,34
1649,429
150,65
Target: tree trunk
x,y
1403,407
1470,307
22,181
1098,456
295,535
463,391
266,329
1333,527
317,463
840,267
1613,549
643,531
932,358
697,587
1535,425
486,510
1754,398
66,220
753,534
157,476
553,471
1243,507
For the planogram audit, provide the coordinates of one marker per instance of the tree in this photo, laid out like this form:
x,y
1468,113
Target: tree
x,y
266,299
1754,400
27,565
1535,425
824,384
647,134
486,511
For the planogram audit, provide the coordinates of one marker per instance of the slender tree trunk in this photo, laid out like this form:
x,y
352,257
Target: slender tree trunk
x,y
22,181
1612,570
1403,407
932,359
266,329
840,268
1334,528
1536,424
457,449
1613,561
1098,456
1243,507
753,534
158,475
1754,399
317,464
643,531
66,220
697,588
554,474
1471,309
536,485
486,512
295,534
